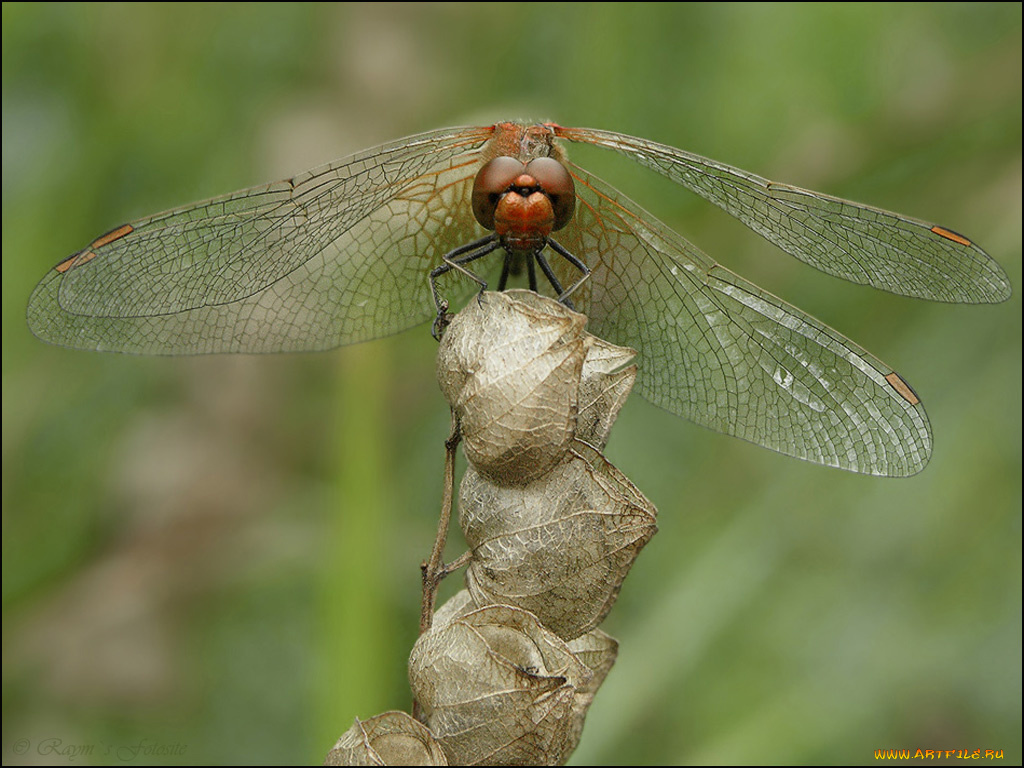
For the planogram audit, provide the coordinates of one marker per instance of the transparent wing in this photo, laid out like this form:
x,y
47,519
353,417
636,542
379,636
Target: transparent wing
x,y
720,351
855,242
334,256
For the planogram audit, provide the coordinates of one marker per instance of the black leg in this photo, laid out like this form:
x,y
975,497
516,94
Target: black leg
x,y
583,268
460,256
548,272
455,259
505,269
532,272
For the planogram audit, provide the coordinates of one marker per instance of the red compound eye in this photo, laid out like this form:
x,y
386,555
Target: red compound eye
x,y
492,181
556,183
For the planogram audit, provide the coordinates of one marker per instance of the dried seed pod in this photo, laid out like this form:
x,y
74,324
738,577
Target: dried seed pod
x,y
393,738
559,547
605,380
597,651
454,608
497,688
605,383
511,371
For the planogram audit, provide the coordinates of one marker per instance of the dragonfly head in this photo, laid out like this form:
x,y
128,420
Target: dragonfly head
x,y
523,202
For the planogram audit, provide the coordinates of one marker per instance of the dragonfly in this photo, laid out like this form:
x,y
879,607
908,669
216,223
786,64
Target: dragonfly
x,y
353,251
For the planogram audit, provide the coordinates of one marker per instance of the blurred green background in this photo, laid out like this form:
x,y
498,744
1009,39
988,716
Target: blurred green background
x,y
216,560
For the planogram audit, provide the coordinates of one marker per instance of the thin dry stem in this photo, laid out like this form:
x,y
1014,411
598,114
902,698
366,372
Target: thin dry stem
x,y
434,570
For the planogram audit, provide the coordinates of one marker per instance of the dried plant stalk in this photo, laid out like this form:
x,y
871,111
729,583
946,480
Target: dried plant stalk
x,y
504,672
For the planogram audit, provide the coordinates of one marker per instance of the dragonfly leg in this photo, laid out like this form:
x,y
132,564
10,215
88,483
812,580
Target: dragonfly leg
x,y
572,259
506,270
549,274
456,259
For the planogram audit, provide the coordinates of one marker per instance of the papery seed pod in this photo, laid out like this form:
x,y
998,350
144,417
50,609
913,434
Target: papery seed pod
x,y
455,607
604,386
498,689
597,650
510,371
392,738
605,379
559,547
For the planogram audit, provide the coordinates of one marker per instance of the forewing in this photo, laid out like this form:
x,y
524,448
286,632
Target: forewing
x,y
334,256
856,242
720,351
